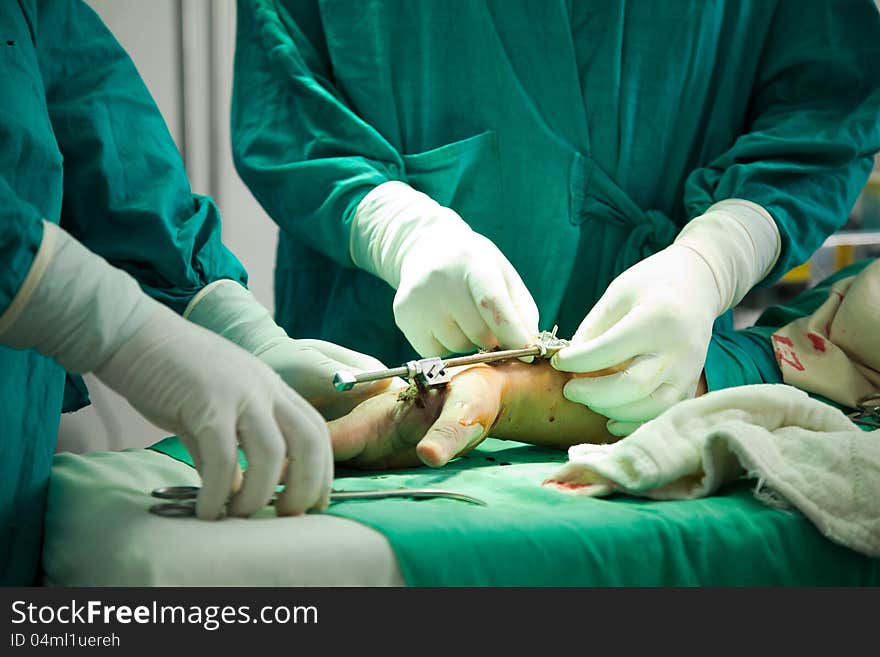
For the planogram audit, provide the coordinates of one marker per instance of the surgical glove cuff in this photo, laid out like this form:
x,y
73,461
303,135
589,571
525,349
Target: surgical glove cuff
x,y
73,306
228,309
740,243
391,221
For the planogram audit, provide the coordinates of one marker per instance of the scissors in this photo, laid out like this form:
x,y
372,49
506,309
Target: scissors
x,y
868,412
182,498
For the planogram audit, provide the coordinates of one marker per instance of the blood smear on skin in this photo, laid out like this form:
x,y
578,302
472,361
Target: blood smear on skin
x,y
783,348
572,485
817,340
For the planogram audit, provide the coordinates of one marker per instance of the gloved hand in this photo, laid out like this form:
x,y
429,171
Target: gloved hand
x,y
226,308
456,291
74,307
657,316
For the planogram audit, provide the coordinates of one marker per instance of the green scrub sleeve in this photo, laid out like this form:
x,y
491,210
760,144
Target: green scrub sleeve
x,y
126,194
740,358
21,231
304,153
813,123
745,357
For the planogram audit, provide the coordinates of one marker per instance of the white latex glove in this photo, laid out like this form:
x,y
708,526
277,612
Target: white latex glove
x,y
308,366
456,291
74,307
656,318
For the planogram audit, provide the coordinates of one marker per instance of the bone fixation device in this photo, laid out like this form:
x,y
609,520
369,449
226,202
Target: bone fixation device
x,y
432,372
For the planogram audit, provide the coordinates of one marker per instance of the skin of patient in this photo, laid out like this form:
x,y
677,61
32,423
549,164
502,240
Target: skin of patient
x,y
510,400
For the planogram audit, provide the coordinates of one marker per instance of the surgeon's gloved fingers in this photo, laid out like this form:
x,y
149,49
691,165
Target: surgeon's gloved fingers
x,y
327,484
218,447
475,329
646,408
328,469
631,336
425,344
496,306
349,358
523,302
265,449
310,456
642,376
622,429
308,366
453,339
193,448
611,307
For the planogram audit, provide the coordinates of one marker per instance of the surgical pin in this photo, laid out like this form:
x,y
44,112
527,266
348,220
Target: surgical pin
x,y
431,372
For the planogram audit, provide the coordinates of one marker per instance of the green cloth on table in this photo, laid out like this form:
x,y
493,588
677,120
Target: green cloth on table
x,y
531,536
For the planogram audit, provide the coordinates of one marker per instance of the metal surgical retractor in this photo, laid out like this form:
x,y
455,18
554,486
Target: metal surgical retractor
x,y
433,372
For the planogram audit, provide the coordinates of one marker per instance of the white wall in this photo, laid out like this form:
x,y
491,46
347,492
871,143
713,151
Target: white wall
x,y
183,50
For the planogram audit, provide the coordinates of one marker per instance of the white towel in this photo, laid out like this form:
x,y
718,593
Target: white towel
x,y
803,453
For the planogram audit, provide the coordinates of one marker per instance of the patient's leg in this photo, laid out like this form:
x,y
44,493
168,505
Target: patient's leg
x,y
511,400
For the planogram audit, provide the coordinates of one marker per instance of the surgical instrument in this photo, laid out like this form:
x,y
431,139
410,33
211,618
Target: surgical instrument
x,y
432,372
181,502
868,412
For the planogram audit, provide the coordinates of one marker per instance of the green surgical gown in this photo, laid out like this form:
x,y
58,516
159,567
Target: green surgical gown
x,y
82,144
578,136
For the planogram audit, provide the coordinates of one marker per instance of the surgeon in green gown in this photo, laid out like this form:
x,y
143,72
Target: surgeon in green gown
x,y
448,176
103,245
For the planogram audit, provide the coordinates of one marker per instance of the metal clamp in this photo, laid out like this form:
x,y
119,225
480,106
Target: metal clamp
x,y
868,412
432,372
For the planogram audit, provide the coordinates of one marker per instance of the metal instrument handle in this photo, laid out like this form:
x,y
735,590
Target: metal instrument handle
x,y
432,370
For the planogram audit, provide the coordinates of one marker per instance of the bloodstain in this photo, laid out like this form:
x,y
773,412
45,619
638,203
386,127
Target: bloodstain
x,y
489,304
817,340
784,349
571,485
